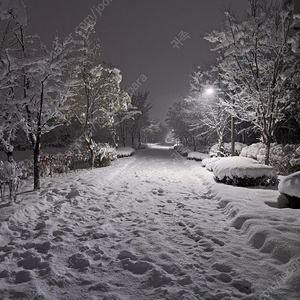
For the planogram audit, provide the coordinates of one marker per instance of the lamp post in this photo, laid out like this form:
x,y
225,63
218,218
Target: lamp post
x,y
232,136
209,91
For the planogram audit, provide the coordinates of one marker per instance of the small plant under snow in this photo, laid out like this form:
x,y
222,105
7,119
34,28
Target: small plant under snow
x,y
125,151
243,172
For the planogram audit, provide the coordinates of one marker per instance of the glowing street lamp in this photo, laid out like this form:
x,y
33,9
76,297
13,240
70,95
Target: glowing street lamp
x,y
209,91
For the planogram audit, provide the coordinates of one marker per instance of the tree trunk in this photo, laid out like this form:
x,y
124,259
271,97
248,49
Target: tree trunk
x,y
90,147
268,145
92,157
36,168
139,139
221,147
232,137
9,156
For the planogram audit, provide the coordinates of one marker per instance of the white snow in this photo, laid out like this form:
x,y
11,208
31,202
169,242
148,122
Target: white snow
x,y
255,151
209,163
151,226
197,155
290,185
241,167
125,151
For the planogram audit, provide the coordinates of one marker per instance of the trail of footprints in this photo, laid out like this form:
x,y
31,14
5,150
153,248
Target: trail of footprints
x,y
39,243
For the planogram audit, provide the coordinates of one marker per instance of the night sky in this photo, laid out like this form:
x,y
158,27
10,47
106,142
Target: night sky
x,y
137,37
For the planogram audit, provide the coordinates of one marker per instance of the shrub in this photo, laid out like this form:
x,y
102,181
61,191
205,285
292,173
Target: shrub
x,y
284,158
226,150
10,174
243,171
105,154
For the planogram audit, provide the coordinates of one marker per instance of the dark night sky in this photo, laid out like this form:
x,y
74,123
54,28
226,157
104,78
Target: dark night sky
x,y
136,37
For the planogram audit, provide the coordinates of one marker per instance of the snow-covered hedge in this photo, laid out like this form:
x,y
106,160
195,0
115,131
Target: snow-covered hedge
x,y
290,186
104,154
243,171
26,166
215,152
208,163
284,158
197,156
63,163
125,152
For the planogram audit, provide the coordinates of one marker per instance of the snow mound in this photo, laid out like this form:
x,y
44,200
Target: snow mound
x,y
290,186
208,163
197,156
243,171
125,151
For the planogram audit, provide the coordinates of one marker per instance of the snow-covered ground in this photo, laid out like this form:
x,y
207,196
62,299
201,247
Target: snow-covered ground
x,y
152,226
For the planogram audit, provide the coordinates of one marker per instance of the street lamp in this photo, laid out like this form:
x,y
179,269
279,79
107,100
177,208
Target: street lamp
x,y
209,91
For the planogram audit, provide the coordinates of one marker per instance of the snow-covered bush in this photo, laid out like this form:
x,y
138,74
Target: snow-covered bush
x,y
255,151
226,151
197,156
80,154
26,166
125,152
290,187
59,164
105,154
209,163
243,171
205,161
9,174
284,158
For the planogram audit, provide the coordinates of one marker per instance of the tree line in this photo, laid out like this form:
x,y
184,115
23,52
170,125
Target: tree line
x,y
43,87
254,81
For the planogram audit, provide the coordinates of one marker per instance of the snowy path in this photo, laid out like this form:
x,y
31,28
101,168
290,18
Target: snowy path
x,y
148,227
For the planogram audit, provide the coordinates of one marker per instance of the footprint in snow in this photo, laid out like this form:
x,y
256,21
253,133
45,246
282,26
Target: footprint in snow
x,y
159,192
218,242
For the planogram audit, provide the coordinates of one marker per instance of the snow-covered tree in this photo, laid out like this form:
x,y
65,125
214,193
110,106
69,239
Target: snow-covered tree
x,y
203,107
99,96
140,119
258,66
38,84
9,121
154,131
178,122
